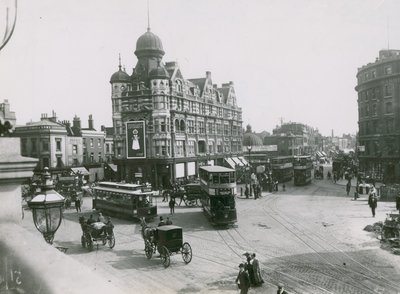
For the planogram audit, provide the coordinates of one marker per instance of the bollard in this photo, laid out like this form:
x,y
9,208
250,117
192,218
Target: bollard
x,y
241,191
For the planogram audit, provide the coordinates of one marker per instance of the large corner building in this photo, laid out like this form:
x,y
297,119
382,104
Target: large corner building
x,y
378,88
166,126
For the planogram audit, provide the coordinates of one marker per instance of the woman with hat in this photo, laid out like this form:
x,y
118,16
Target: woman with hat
x,y
258,280
243,280
249,268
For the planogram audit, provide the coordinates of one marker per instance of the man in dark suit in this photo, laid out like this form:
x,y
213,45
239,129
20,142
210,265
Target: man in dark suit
x,y
243,280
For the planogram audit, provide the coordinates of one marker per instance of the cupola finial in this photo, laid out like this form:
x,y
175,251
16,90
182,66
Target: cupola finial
x,y
119,58
148,16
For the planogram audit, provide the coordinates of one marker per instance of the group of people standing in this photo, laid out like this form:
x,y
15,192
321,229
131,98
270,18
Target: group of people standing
x,y
249,273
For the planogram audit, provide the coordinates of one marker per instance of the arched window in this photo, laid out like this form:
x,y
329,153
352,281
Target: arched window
x,y
178,86
183,126
177,125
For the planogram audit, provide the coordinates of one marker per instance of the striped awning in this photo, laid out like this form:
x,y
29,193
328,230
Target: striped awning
x,y
230,162
80,170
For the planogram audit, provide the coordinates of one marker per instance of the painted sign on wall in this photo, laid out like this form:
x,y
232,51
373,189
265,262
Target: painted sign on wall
x,y
135,139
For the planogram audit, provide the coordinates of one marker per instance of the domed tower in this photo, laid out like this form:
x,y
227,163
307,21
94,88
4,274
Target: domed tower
x,y
251,139
149,51
120,82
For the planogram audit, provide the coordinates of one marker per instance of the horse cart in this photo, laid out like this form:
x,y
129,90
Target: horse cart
x,y
96,233
167,240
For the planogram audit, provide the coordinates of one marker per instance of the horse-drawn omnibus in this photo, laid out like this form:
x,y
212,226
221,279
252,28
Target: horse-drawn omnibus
x,y
302,166
219,189
282,168
124,200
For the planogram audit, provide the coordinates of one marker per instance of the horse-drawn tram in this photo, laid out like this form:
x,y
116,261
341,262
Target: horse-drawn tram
x,y
219,189
124,200
167,240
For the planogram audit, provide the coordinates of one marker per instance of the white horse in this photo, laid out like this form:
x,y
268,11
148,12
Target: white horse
x,y
147,232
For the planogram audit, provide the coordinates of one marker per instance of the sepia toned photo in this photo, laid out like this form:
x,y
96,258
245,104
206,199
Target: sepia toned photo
x,y
213,146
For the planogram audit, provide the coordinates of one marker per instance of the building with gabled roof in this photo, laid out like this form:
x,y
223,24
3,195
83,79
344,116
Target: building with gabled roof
x,y
166,126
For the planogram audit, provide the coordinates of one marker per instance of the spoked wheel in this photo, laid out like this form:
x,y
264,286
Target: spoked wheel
x,y
83,241
89,243
111,241
104,240
164,252
148,249
186,252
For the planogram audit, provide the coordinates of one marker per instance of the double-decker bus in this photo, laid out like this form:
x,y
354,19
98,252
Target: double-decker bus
x,y
124,200
282,168
219,189
302,166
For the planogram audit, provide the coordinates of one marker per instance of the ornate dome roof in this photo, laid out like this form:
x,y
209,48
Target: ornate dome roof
x,y
149,41
251,139
120,76
160,72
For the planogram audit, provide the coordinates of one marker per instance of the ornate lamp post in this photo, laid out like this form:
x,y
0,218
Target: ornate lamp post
x,y
47,208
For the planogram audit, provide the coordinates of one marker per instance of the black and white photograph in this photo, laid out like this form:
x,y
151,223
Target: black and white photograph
x,y
187,146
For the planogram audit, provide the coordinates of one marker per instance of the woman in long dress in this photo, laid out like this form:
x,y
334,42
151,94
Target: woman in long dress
x,y
258,280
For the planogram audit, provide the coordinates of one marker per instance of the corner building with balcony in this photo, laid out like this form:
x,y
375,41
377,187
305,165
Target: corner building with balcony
x,y
187,122
378,88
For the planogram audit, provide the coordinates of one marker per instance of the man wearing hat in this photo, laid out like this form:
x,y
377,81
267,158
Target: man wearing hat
x,y
280,289
243,280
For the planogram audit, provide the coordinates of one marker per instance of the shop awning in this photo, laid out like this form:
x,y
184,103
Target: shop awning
x,y
80,170
237,161
243,160
113,167
230,162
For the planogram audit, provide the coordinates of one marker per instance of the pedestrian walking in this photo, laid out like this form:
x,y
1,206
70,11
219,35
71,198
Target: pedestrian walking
x,y
243,280
373,203
280,289
283,187
172,205
249,268
78,204
246,191
258,280
348,186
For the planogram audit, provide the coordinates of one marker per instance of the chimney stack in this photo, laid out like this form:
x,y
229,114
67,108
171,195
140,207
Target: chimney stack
x,y
208,74
90,122
76,123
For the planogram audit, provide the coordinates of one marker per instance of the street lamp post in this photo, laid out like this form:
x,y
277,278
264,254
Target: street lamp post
x,y
47,208
249,147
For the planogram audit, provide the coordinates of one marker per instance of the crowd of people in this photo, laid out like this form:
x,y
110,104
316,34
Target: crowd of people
x,y
249,273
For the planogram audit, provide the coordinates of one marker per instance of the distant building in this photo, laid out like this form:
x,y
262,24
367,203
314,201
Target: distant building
x,y
51,142
6,114
64,148
166,126
378,117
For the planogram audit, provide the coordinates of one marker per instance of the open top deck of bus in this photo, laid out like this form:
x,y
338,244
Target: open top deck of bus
x,y
121,185
216,169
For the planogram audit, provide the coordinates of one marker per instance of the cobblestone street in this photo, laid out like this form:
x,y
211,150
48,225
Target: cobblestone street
x,y
310,238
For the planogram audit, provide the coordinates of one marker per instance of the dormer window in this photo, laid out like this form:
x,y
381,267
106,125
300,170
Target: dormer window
x,y
179,86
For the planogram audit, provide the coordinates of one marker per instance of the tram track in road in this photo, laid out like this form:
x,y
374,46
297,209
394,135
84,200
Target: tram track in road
x,y
333,240
287,277
340,274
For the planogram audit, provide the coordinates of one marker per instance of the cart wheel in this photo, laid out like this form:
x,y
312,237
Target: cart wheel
x,y
89,243
164,252
111,241
83,241
104,240
186,252
148,249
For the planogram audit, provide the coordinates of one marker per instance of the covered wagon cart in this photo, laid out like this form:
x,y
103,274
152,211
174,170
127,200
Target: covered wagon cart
x,y
167,240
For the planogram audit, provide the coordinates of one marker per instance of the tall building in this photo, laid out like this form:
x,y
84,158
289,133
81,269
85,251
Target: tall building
x,y
166,126
378,116
6,114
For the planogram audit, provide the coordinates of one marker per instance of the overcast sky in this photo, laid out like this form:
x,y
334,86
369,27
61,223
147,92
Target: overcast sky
x,y
292,60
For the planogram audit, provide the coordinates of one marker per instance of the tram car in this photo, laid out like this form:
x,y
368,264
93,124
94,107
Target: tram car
x,y
302,166
218,199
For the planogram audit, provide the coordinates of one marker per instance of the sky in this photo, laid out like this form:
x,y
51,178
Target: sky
x,y
290,60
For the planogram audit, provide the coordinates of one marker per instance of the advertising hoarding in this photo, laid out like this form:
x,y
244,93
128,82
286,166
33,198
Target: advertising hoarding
x,y
135,139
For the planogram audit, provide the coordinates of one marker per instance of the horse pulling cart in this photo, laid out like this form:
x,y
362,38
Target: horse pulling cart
x,y
97,232
167,240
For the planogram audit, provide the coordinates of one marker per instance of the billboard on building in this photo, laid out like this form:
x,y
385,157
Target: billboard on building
x,y
135,139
